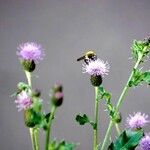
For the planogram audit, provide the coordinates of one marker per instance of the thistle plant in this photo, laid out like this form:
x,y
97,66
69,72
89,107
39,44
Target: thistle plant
x,y
133,136
29,101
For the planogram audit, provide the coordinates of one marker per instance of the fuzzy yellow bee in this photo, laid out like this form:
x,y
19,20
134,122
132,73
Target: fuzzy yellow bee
x,y
89,55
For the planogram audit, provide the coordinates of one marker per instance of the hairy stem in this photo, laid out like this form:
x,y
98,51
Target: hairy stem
x,y
96,120
48,132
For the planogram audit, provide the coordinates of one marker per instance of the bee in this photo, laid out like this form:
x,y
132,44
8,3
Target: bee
x,y
89,55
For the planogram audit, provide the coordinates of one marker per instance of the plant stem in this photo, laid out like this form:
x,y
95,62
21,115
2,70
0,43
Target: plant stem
x,y
48,132
125,90
96,120
34,136
117,129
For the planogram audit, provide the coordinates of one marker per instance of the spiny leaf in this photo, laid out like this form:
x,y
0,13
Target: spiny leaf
x,y
139,77
84,119
140,49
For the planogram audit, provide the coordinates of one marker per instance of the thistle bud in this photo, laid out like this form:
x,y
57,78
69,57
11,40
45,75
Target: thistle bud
x,y
57,99
117,118
28,65
147,41
57,88
96,80
36,93
31,118
22,86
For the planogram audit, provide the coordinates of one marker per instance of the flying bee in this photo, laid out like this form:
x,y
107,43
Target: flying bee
x,y
90,55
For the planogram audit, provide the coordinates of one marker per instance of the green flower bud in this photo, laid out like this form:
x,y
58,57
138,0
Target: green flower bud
x,y
28,65
117,118
57,99
96,80
36,93
31,118
57,88
147,41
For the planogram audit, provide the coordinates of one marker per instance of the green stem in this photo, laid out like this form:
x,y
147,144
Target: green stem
x,y
32,138
48,132
96,120
125,90
117,129
36,135
33,134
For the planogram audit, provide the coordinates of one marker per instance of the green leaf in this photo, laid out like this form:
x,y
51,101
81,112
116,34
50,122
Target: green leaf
x,y
140,49
103,94
82,120
54,145
146,77
128,140
139,77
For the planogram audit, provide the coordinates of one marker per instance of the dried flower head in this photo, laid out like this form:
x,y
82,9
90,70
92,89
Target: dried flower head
x,y
137,121
145,143
96,67
30,51
23,101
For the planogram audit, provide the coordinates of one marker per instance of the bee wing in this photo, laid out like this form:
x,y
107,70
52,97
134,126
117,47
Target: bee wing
x,y
81,58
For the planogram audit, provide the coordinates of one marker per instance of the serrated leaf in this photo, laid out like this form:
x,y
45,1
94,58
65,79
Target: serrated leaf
x,y
139,50
139,77
82,120
128,140
103,94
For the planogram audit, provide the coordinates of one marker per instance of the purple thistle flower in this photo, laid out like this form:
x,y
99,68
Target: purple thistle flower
x,y
145,143
137,121
23,101
30,51
96,67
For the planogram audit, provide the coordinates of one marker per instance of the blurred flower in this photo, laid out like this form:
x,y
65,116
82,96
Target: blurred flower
x,y
96,67
145,143
57,98
30,51
59,95
137,121
23,101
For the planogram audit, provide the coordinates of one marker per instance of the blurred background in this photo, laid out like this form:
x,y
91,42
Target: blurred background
x,y
66,28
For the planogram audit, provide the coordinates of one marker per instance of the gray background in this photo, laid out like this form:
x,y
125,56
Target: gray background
x,y
66,28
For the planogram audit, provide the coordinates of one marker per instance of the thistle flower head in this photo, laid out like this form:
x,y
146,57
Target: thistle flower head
x,y
23,101
96,67
145,143
30,51
137,121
